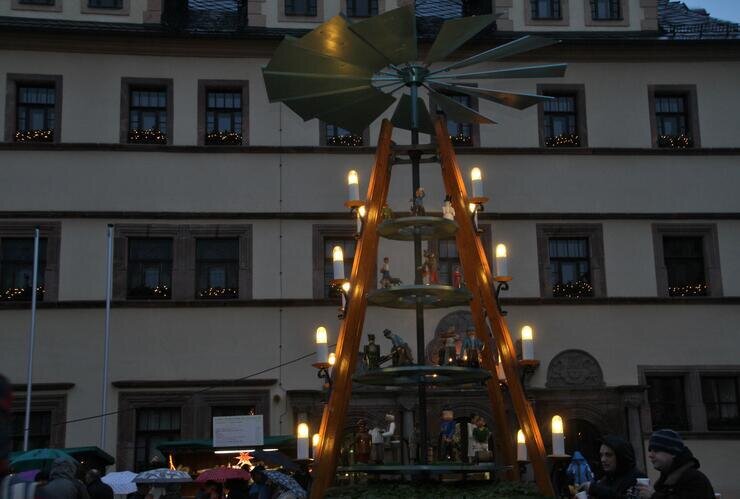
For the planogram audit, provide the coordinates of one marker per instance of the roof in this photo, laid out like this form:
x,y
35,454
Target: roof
x,y
678,21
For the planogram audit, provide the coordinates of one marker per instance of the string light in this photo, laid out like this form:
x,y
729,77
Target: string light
x,y
350,140
688,290
563,140
461,139
12,294
224,138
681,141
34,136
577,289
146,136
218,292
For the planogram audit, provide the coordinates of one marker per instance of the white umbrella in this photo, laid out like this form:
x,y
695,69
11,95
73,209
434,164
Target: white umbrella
x,y
163,476
122,482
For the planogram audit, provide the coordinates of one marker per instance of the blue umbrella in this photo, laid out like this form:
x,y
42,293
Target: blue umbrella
x,y
287,482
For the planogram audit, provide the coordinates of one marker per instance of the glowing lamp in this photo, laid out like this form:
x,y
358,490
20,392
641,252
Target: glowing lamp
x,y
322,349
476,182
521,446
353,184
527,343
502,266
302,441
558,438
315,444
337,256
332,359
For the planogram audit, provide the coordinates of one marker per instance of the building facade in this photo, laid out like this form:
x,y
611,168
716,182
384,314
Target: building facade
x,y
617,200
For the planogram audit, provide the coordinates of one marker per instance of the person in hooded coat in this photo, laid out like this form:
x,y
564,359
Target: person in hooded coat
x,y
62,482
620,472
680,477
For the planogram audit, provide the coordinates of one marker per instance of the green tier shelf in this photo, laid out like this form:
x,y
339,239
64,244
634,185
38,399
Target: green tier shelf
x,y
430,295
405,228
426,375
421,468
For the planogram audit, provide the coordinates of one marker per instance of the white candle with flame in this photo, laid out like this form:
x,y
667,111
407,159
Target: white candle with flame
x,y
302,441
502,266
558,438
322,349
476,182
360,217
353,183
338,258
315,444
527,343
521,446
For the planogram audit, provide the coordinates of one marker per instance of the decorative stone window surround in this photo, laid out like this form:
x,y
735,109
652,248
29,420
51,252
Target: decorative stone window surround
x,y
204,86
15,80
51,231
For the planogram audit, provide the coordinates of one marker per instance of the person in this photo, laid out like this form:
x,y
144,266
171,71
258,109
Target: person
x,y
211,490
680,477
172,491
471,348
259,489
620,473
95,486
481,434
371,353
62,482
400,352
6,404
579,470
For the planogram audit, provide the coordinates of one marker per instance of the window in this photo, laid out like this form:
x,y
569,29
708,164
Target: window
x,y
153,427
35,114
224,117
605,10
149,268
545,9
105,4
667,399
338,136
448,257
570,263
36,2
300,7
362,8
146,111
571,260
39,435
16,269
560,122
217,268
148,116
674,119
687,260
721,401
37,5
461,134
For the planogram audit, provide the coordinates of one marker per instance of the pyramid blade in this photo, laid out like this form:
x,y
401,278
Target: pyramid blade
x,y
458,112
335,39
311,106
293,58
518,46
356,116
284,85
402,115
454,33
511,99
543,71
393,34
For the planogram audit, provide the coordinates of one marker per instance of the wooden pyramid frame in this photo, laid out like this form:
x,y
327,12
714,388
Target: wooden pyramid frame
x,y
484,308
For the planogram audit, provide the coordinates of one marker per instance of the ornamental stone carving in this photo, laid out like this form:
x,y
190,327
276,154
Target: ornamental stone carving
x,y
574,369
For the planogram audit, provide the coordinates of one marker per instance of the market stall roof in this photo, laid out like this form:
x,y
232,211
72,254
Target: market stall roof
x,y
207,444
91,452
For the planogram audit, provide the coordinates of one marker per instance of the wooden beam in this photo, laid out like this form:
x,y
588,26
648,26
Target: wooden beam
x,y
350,332
475,264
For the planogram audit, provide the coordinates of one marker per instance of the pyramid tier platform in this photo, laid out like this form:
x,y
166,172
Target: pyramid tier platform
x,y
405,228
438,468
429,295
426,375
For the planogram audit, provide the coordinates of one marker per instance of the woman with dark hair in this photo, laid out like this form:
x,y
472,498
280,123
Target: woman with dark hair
x,y
620,472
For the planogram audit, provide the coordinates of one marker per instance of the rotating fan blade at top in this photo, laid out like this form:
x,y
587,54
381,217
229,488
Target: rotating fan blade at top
x,y
393,34
454,33
402,116
542,71
511,99
458,112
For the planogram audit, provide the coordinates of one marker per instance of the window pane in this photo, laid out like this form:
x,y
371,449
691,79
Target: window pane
x,y
149,268
667,400
39,430
154,426
720,396
684,262
217,268
16,269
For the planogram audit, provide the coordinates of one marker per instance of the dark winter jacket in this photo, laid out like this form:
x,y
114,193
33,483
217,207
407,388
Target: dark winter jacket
x,y
99,490
62,482
617,484
683,480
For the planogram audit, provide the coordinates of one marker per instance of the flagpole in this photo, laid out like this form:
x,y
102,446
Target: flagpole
x,y
31,340
108,292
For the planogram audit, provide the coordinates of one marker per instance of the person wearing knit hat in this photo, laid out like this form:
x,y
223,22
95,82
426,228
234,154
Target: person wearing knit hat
x,y
680,477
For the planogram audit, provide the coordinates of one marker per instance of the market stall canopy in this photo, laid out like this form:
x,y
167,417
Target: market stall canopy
x,y
38,459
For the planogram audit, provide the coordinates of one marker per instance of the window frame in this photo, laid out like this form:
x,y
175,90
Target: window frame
x,y
486,237
55,6
205,86
692,112
127,84
321,233
710,239
474,104
51,231
714,376
563,20
623,20
287,18
45,399
129,274
578,91
344,7
683,376
557,262
324,136
594,234
198,262
16,80
149,433
124,10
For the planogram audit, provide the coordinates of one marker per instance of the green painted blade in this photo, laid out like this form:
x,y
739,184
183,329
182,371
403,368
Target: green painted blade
x,y
392,33
356,116
454,33
511,99
544,71
335,39
311,106
283,85
458,112
292,58
524,44
402,115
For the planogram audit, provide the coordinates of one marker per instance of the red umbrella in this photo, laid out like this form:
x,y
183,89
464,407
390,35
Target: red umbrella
x,y
222,474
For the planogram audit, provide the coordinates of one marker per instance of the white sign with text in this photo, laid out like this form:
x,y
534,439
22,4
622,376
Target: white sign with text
x,y
238,431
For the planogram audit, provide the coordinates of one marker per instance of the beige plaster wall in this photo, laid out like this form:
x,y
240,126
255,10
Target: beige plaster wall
x,y
577,18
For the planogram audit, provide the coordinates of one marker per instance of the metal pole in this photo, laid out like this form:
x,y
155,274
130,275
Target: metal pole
x,y
31,340
108,293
